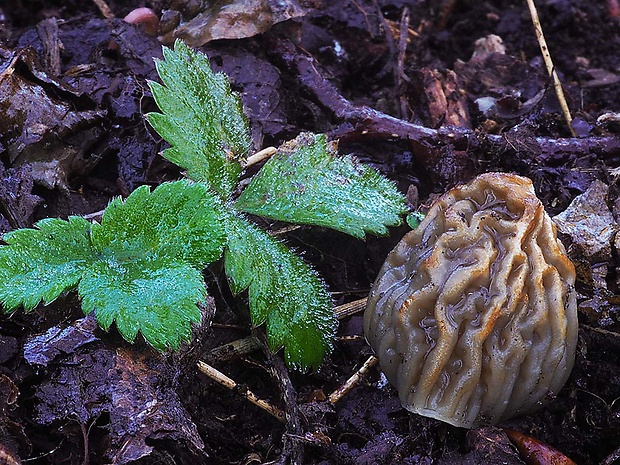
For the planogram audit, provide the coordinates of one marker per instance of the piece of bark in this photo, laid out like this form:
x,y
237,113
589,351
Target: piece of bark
x,y
445,104
52,46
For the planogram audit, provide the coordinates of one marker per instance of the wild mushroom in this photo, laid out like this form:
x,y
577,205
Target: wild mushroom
x,y
473,315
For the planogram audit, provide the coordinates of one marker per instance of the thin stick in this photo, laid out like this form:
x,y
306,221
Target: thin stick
x,y
351,308
353,380
399,72
249,344
234,349
549,64
96,216
260,156
352,338
362,123
612,458
229,383
606,332
292,451
104,8
85,432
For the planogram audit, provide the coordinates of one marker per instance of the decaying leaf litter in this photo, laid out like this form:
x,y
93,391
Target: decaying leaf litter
x,y
339,69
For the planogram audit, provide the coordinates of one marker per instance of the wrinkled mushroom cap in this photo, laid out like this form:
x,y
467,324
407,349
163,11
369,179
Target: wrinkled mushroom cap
x,y
473,315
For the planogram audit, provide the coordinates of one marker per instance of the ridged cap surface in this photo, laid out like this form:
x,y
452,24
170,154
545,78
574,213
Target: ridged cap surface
x,y
473,315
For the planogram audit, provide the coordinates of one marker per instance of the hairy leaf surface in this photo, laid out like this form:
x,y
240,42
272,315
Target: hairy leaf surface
x,y
307,182
141,267
160,300
178,221
40,264
201,118
152,248
284,293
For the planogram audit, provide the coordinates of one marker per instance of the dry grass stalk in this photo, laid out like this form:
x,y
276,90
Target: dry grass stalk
x,y
549,65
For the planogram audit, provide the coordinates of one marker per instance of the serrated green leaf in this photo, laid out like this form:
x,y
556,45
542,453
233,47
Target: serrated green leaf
x,y
201,118
158,299
141,267
306,182
152,248
40,264
178,221
284,292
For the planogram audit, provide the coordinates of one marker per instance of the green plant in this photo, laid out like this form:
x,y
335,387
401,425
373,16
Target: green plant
x,y
141,266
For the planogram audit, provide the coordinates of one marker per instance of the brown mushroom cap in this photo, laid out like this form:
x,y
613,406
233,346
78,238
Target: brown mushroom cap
x,y
473,315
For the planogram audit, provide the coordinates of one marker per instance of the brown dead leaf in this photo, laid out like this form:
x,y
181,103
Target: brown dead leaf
x,y
145,406
12,436
17,203
44,125
234,19
58,341
137,389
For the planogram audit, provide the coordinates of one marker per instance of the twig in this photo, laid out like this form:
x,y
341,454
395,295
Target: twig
x,y
549,64
284,230
95,216
351,308
229,383
401,76
104,9
48,33
260,156
249,344
391,65
367,123
233,349
606,332
350,338
612,458
85,432
353,380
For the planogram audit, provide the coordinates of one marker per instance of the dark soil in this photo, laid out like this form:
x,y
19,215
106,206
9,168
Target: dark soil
x,y
72,135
